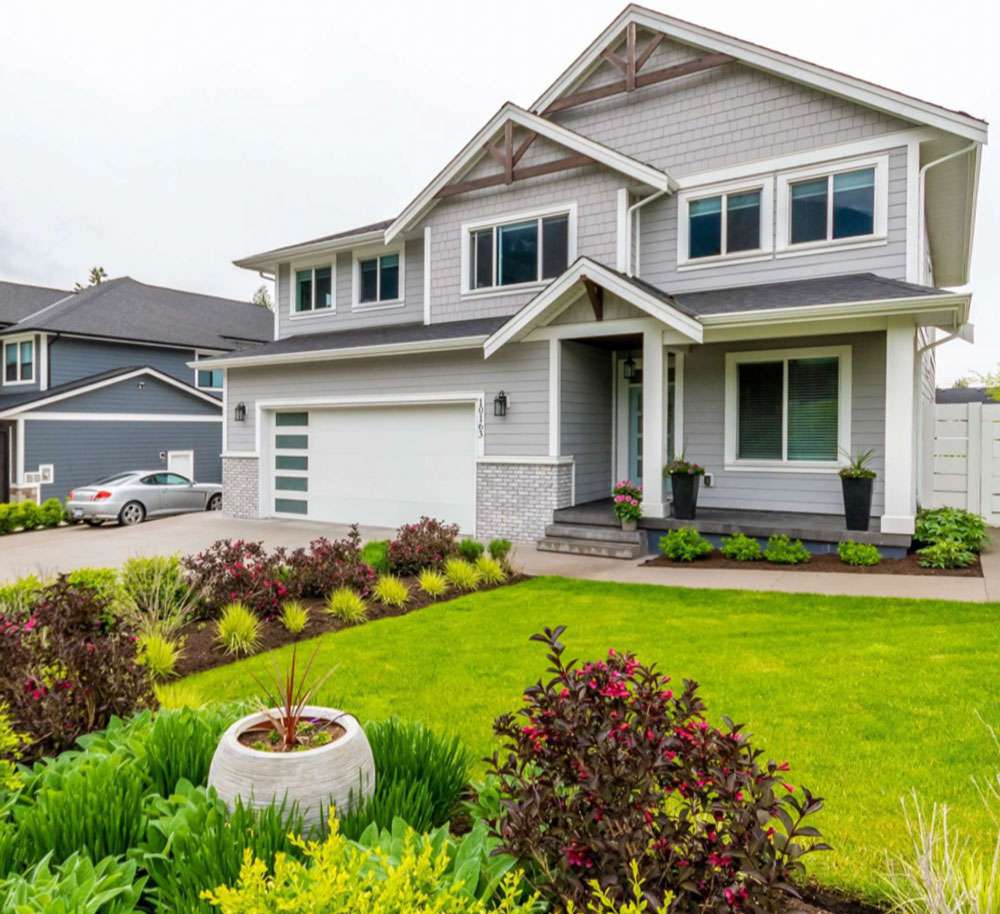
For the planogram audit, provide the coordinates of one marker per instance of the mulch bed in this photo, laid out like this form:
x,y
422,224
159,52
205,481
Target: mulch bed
x,y
828,562
202,650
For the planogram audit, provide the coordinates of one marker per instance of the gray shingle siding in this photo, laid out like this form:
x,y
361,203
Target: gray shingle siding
x,y
155,396
586,417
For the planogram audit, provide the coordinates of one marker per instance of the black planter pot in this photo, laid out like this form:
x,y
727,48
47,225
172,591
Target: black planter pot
x,y
684,487
857,502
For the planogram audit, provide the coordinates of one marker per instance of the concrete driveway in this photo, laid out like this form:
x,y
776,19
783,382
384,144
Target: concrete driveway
x,y
48,552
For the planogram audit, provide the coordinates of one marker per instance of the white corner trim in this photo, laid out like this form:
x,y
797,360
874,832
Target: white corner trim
x,y
764,185
43,361
427,274
19,456
555,397
373,252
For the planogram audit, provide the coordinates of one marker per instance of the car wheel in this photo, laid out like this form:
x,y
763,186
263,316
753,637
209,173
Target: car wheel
x,y
93,523
214,503
133,513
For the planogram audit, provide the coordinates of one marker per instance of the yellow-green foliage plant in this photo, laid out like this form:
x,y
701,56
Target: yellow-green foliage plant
x,y
294,616
432,582
238,630
338,875
490,570
601,903
344,604
159,655
462,575
391,591
10,750
172,696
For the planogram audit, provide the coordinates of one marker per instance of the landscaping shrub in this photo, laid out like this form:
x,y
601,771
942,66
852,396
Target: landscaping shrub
x,y
391,591
685,545
238,571
784,551
238,630
425,544
329,564
155,595
861,554
490,570
159,655
954,524
344,604
294,617
11,743
604,765
461,575
102,581
67,670
946,554
500,549
7,518
432,582
17,599
470,549
741,548
27,515
376,555
50,512
76,886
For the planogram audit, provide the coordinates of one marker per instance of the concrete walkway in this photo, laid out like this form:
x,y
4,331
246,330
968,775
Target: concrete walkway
x,y
977,590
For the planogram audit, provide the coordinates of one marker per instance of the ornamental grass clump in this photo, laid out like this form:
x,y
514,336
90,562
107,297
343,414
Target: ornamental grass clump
x,y
432,582
294,617
159,655
391,591
344,604
741,548
605,765
461,575
685,545
238,630
490,570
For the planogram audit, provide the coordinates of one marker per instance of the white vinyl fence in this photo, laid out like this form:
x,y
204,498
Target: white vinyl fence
x,y
967,458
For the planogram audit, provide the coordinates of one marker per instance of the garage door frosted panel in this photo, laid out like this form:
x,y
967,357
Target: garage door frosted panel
x,y
388,466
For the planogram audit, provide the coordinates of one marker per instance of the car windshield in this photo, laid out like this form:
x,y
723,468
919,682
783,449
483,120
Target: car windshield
x,y
111,480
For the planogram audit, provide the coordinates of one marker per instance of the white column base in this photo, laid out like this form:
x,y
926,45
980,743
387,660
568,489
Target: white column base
x,y
898,523
654,509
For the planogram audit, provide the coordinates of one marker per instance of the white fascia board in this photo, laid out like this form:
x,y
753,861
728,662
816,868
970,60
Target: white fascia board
x,y
355,352
118,417
269,260
754,55
600,153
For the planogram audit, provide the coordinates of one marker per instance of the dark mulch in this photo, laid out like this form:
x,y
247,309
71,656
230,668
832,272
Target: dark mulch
x,y
829,562
202,651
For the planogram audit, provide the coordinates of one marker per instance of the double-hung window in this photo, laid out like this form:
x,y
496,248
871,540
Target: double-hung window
x,y
789,408
725,221
379,279
313,290
209,378
18,361
528,249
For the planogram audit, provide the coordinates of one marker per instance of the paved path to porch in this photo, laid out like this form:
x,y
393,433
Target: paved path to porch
x,y
978,590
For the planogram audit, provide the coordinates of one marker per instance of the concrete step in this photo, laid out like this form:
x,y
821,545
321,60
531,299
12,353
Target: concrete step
x,y
591,532
605,549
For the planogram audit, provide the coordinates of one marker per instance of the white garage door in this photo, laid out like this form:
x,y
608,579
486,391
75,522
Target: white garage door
x,y
382,466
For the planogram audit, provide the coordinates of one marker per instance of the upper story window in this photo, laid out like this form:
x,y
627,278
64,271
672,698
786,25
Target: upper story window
x,y
378,278
725,222
18,361
523,249
313,290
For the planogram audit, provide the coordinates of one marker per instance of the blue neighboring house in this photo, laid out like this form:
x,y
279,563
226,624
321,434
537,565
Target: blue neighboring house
x,y
98,381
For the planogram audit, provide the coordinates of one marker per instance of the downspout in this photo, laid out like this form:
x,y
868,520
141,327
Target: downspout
x,y
628,226
965,150
274,279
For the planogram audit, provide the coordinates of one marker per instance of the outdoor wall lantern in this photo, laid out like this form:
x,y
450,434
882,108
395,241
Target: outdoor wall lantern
x,y
500,404
629,369
241,412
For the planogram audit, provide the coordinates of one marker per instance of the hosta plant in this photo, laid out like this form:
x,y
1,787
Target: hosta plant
x,y
685,545
946,554
344,604
76,886
490,570
432,582
605,765
858,554
462,575
294,617
391,591
741,548
238,630
954,524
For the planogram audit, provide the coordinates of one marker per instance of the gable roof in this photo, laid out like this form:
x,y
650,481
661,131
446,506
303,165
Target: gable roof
x,y
18,300
471,152
352,236
127,310
12,405
825,79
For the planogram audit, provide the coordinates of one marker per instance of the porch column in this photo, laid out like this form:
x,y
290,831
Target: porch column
x,y
900,441
653,437
555,397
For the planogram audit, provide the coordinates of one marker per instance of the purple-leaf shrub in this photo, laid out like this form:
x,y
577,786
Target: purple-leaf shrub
x,y
425,544
327,565
605,765
231,571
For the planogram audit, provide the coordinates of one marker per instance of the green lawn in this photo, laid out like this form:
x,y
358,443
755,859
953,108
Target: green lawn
x,y
869,699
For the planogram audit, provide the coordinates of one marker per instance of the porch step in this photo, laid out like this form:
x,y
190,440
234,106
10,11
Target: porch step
x,y
588,532
601,549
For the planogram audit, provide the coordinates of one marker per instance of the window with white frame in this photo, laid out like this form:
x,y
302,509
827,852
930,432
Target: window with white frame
x,y
378,278
788,407
521,250
725,222
312,290
833,206
19,361
209,378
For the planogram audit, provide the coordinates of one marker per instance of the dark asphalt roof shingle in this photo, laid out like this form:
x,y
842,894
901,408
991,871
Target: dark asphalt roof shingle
x,y
347,233
962,395
124,309
17,300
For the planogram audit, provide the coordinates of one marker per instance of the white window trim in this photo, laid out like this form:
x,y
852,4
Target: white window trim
x,y
293,289
370,253
764,184
570,209
198,354
16,341
783,221
734,359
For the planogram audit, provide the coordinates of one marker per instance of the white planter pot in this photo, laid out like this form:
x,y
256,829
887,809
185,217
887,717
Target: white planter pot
x,y
313,778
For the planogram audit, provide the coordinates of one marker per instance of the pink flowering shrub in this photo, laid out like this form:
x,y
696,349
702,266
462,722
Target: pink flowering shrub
x,y
425,544
627,497
67,669
327,565
605,765
238,571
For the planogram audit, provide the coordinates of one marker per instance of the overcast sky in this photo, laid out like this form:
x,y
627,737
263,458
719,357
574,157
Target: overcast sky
x,y
164,139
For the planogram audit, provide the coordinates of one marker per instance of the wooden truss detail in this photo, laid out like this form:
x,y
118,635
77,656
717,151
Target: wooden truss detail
x,y
596,295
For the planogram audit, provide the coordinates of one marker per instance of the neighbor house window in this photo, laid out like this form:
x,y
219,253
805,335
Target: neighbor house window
x,y
18,361
725,224
313,290
525,250
788,407
211,378
378,279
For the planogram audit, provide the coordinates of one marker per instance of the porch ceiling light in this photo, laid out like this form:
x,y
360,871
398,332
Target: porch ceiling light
x,y
500,404
240,415
629,369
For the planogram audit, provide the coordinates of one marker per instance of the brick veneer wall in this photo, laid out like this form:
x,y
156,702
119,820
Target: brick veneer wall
x,y
516,500
240,487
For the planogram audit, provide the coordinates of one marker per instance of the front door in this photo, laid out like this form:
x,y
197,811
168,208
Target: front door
x,y
629,422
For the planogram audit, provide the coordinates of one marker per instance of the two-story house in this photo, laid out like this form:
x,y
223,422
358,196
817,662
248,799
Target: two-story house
x,y
98,381
687,244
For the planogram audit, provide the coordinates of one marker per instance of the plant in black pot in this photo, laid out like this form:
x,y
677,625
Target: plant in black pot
x,y
685,479
857,479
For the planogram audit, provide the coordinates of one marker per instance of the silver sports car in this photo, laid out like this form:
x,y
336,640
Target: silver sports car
x,y
131,497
